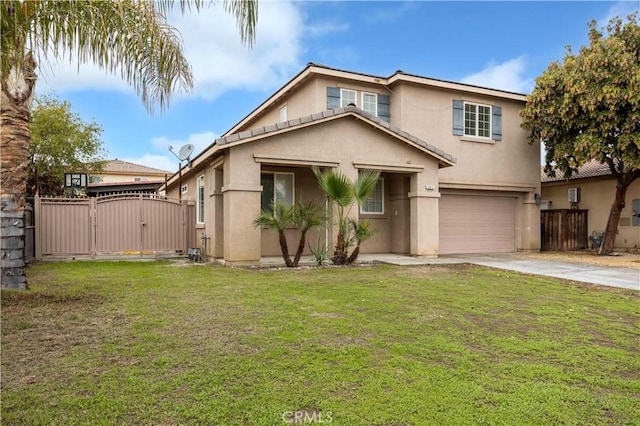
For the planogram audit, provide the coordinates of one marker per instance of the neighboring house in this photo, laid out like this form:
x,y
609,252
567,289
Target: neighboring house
x,y
597,189
457,173
124,177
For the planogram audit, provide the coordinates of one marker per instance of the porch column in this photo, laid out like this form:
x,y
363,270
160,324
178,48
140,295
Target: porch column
x,y
217,242
241,204
529,224
424,200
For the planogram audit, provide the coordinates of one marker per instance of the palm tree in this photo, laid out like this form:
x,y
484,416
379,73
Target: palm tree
x,y
303,216
306,216
344,193
129,37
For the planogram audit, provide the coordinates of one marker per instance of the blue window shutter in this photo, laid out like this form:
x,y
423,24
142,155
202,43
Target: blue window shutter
x,y
496,125
333,97
458,117
383,108
635,218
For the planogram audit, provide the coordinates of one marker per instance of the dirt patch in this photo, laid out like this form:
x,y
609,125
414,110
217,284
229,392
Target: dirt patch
x,y
629,259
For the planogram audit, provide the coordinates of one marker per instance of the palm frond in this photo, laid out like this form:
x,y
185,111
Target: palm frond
x,y
336,186
279,219
130,38
364,185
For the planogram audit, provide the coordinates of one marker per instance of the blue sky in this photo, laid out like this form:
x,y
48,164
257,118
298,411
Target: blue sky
x,y
503,45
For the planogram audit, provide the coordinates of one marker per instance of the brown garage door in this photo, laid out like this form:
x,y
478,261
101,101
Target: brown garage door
x,y
470,224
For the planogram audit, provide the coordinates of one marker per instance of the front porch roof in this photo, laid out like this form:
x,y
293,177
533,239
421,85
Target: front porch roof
x,y
444,159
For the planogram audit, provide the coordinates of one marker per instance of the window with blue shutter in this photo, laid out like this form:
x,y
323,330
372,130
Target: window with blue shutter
x,y
458,117
383,108
477,120
496,124
333,97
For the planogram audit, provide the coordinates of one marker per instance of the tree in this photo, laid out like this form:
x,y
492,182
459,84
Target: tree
x,y
344,192
303,216
128,37
60,143
588,108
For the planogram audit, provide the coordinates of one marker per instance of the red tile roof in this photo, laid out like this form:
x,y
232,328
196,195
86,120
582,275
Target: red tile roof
x,y
587,170
120,166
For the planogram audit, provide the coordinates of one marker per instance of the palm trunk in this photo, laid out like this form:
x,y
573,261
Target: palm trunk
x,y
339,256
15,110
303,239
614,215
285,249
354,255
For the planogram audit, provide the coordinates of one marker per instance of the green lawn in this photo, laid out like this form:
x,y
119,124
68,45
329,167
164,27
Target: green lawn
x,y
162,343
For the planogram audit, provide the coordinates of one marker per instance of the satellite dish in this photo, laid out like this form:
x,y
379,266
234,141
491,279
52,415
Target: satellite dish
x,y
185,151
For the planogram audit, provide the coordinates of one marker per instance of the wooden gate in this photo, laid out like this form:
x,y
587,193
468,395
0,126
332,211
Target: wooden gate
x,y
563,229
113,224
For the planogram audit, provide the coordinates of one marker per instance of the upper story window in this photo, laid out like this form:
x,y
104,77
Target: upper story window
x,y
347,97
370,103
477,120
200,199
283,113
374,103
276,188
375,203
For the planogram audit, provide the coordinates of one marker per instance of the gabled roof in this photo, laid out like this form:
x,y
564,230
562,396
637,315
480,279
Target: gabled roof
x,y
444,158
587,170
125,167
399,76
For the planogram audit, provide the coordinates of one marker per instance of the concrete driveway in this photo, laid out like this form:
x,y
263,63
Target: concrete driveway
x,y
595,274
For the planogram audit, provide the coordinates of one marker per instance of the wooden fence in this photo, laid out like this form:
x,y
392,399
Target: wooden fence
x,y
564,229
114,224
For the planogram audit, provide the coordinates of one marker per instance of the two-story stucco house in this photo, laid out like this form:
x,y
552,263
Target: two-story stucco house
x,y
457,173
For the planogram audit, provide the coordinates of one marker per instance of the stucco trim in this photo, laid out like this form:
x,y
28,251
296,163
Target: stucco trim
x,y
217,163
242,188
297,161
424,194
488,186
389,167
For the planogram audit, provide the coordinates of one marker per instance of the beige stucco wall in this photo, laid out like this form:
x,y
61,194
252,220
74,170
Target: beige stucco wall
x,y
428,114
344,141
596,196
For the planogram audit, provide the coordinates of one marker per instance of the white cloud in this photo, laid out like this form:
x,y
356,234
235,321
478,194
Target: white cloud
x,y
505,76
621,10
212,45
199,140
162,162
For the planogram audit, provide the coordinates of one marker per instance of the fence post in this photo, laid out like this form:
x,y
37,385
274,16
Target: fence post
x,y
37,213
93,225
185,227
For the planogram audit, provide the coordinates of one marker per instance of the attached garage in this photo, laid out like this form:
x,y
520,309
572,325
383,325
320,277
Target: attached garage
x,y
477,224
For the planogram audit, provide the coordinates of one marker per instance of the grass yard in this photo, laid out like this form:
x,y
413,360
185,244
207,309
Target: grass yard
x,y
163,343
